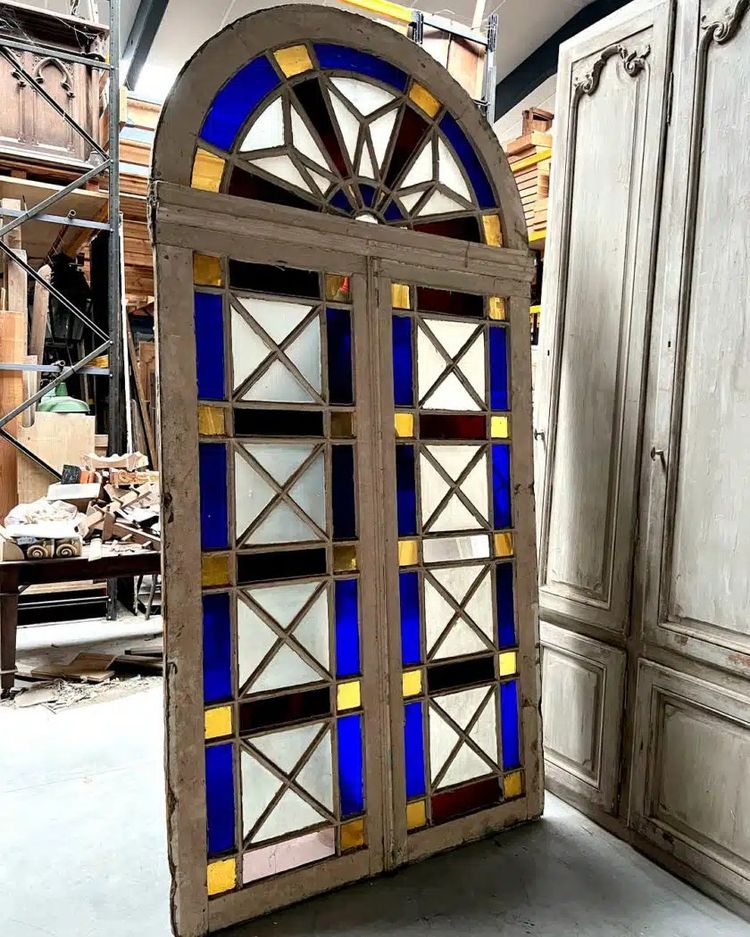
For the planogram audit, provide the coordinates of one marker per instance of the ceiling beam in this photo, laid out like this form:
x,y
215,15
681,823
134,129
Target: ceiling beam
x,y
542,64
142,34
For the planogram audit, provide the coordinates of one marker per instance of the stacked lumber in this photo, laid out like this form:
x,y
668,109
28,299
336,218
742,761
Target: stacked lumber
x,y
530,157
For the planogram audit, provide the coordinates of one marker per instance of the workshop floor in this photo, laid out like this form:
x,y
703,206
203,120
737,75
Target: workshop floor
x,y
82,851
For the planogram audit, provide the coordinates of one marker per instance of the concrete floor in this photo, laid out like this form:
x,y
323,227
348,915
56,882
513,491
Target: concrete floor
x,y
82,853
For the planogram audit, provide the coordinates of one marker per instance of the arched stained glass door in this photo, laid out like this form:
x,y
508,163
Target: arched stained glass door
x,y
349,561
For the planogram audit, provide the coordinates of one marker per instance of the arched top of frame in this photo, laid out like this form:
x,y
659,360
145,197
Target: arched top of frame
x,y
343,116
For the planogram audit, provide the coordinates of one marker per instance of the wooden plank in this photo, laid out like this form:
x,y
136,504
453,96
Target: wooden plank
x,y
39,313
12,349
59,439
142,399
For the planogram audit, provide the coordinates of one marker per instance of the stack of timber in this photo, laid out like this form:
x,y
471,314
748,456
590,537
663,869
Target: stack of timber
x,y
530,157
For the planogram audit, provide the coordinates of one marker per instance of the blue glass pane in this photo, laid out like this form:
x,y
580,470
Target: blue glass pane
x,y
465,152
351,786
330,56
506,626
340,201
408,587
392,212
499,368
414,750
236,101
347,628
501,485
368,194
509,719
219,798
209,346
406,494
403,368
342,493
339,333
212,478
217,648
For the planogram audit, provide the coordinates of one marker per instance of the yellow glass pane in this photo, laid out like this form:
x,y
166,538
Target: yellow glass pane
x,y
207,171
214,569
211,420
508,664
342,425
344,558
293,60
492,232
338,288
407,553
504,544
352,835
221,876
404,423
348,695
422,98
498,309
412,682
218,722
207,270
513,785
499,427
400,296
416,815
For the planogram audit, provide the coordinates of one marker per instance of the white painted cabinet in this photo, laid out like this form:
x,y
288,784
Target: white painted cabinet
x,y
643,433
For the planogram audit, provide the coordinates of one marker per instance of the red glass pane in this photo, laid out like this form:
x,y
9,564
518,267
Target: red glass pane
x,y
452,426
457,304
466,799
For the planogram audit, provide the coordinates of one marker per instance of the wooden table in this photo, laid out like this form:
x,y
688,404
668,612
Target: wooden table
x,y
17,574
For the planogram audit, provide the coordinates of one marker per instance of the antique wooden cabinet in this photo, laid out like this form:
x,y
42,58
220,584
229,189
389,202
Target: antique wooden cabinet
x,y
642,426
349,550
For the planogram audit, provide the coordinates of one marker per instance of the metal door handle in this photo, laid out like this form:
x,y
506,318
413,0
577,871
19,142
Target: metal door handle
x,y
658,454
539,434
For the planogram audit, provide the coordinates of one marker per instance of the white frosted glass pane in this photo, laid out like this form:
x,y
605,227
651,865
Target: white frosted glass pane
x,y
365,97
348,124
434,487
322,182
309,491
258,789
479,608
440,204
285,749
457,580
437,614
366,216
453,459
466,765
366,168
248,349
461,706
251,494
313,631
443,740
421,168
445,549
305,142
283,168
280,461
276,317
449,172
283,525
430,363
285,669
380,133
278,385
284,603
288,854
410,200
267,130
455,516
254,640
475,487
452,336
291,813
317,775
304,352
460,640
485,733
472,366
451,395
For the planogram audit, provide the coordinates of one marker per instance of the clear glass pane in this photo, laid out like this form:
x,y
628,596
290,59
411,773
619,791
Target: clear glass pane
x,y
290,814
449,173
440,204
348,124
365,97
275,317
305,142
280,461
452,336
278,385
267,130
313,631
304,352
309,491
421,169
283,168
451,395
248,349
251,493
285,749
317,775
465,765
254,640
285,669
284,603
459,641
445,549
258,789
380,132
283,525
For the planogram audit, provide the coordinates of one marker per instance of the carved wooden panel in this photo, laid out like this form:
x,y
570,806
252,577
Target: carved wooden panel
x,y
692,760
582,683
596,299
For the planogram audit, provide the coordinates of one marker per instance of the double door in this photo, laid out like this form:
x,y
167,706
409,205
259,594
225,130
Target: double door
x,y
642,419
349,556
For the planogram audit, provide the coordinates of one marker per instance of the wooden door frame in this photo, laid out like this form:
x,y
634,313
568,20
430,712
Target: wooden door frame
x,y
184,220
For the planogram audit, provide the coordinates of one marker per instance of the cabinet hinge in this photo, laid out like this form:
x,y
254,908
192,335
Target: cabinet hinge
x,y
670,98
